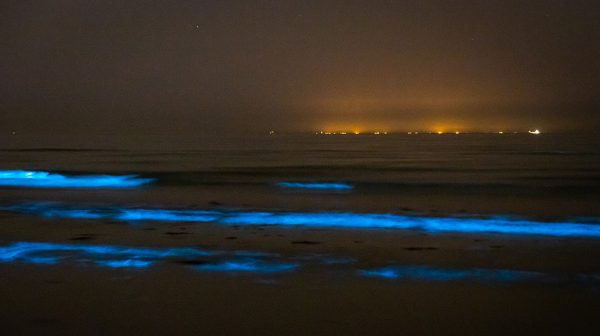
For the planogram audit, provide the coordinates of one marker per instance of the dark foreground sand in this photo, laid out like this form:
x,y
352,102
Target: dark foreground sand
x,y
72,298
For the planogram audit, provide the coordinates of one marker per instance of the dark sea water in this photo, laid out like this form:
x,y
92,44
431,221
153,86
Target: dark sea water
x,y
546,176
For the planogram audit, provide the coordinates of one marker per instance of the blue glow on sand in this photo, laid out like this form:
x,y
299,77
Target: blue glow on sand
x,y
316,186
427,273
41,179
139,258
102,255
247,265
244,263
335,220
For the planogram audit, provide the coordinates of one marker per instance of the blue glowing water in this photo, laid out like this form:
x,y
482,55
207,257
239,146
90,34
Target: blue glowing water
x,y
495,225
450,274
554,175
41,179
316,186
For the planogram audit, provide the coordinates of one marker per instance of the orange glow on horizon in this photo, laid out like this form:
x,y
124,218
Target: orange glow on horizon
x,y
377,128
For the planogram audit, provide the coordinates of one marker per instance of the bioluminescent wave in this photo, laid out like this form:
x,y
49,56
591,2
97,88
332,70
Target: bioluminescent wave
x,y
316,186
168,215
500,225
41,179
129,263
338,220
428,273
135,257
53,210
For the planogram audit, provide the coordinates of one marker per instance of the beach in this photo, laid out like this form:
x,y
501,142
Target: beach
x,y
300,235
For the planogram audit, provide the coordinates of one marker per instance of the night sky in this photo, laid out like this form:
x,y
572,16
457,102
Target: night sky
x,y
179,68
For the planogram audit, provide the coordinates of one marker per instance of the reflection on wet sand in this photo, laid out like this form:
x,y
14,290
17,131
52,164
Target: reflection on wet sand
x,y
317,186
428,273
135,257
244,262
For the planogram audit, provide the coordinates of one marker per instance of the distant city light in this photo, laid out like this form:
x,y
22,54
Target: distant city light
x,y
350,132
534,132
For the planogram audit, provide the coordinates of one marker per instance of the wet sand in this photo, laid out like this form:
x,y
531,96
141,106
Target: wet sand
x,y
325,295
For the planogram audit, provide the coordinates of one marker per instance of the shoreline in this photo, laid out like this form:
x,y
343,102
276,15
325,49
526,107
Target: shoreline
x,y
326,293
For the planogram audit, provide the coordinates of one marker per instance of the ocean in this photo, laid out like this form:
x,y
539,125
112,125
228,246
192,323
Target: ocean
x,y
551,176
